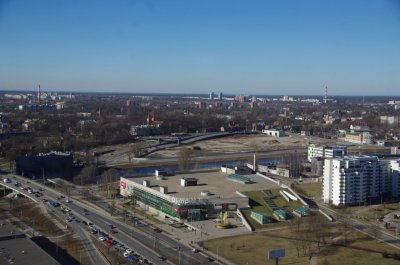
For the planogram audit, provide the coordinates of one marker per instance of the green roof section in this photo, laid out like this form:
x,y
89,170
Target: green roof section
x,y
261,218
239,178
282,215
301,212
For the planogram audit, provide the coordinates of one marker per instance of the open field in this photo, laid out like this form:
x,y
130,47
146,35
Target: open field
x,y
242,143
372,213
311,190
123,154
253,249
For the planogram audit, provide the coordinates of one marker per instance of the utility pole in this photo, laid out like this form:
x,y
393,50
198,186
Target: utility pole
x,y
217,255
179,254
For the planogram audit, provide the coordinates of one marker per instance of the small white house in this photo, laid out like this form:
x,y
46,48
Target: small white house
x,y
276,133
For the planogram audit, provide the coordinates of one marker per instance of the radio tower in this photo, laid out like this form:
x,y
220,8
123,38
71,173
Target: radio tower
x,y
38,94
326,94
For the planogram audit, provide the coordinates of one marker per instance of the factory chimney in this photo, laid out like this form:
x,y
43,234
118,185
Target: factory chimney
x,y
38,94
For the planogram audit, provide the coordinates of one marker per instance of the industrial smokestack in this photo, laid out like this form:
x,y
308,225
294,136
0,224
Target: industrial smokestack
x,y
38,94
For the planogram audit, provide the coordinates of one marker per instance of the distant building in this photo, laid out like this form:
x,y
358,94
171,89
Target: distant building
x,y
17,248
49,165
144,130
272,132
391,120
360,179
211,95
287,98
201,105
316,151
217,104
220,96
358,138
241,98
242,170
394,150
274,169
359,128
4,125
39,107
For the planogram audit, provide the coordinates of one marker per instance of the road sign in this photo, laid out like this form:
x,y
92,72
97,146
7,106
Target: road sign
x,y
276,254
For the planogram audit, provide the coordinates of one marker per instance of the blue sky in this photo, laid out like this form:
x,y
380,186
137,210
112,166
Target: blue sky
x,y
189,46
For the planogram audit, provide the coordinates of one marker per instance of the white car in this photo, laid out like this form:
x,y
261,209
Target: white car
x,y
126,254
128,250
102,238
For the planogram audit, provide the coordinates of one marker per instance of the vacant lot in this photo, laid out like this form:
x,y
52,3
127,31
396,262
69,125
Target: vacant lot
x,y
253,249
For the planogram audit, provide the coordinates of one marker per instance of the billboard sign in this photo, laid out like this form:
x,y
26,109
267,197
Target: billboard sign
x,y
276,253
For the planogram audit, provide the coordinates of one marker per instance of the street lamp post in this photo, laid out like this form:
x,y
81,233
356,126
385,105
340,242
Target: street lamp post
x,y
217,255
179,254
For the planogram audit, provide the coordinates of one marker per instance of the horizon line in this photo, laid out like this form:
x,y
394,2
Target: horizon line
x,y
197,94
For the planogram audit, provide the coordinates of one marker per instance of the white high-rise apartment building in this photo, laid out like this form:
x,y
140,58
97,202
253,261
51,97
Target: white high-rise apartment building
x,y
358,179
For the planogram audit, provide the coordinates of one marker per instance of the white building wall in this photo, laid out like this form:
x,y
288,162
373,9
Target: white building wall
x,y
327,179
352,180
315,151
395,177
325,151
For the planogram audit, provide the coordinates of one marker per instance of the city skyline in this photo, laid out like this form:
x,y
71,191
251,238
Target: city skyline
x,y
233,47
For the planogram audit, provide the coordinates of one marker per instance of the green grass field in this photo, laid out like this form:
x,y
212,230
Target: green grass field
x,y
372,213
310,189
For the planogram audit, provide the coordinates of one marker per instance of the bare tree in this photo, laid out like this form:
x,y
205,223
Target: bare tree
x,y
112,208
138,149
345,220
294,162
185,158
319,229
86,175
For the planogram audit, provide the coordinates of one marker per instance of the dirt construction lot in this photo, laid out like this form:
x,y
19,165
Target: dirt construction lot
x,y
123,153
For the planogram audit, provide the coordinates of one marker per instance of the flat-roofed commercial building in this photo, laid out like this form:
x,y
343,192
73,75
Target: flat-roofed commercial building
x,y
212,194
17,248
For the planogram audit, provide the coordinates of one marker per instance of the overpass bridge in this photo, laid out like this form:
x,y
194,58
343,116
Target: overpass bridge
x,y
17,191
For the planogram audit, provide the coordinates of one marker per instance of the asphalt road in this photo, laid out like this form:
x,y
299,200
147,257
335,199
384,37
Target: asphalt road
x,y
94,255
126,234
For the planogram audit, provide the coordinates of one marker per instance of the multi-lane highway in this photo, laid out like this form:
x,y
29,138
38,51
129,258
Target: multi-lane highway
x,y
94,255
143,239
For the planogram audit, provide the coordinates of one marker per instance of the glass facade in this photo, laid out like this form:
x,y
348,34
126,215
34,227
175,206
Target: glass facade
x,y
193,212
